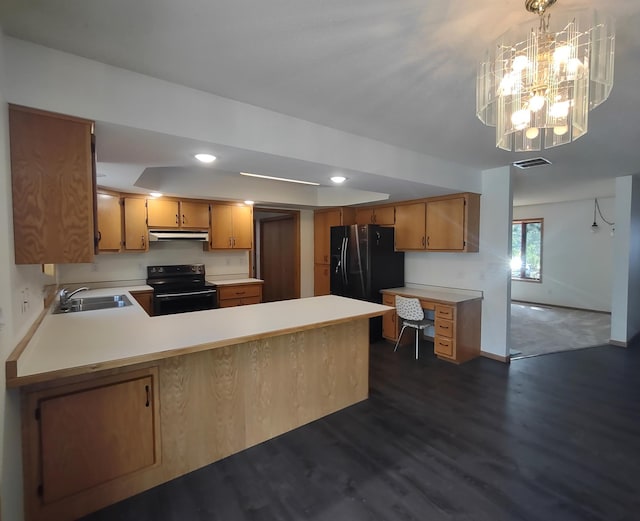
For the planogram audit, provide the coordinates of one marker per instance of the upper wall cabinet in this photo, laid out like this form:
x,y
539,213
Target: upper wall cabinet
x,y
231,227
53,185
135,224
166,213
109,222
448,224
384,216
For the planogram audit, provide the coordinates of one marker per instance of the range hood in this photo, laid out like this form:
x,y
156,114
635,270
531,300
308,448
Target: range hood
x,y
178,235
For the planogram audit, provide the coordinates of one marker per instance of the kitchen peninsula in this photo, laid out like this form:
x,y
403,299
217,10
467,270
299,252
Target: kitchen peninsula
x,y
115,402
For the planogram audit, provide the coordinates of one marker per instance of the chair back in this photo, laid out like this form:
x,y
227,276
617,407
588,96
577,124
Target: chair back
x,y
409,308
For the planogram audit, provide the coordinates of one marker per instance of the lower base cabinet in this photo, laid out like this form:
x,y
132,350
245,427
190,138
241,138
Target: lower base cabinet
x,y
145,299
85,438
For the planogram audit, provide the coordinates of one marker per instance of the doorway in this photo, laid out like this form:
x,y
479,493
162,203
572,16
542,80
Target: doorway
x,y
278,253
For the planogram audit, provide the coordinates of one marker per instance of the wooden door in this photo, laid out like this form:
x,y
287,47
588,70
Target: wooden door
x,y
278,258
320,238
93,436
53,187
410,226
242,221
221,226
445,224
321,279
135,224
109,223
194,215
163,213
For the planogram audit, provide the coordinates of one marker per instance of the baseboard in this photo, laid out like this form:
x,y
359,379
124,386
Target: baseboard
x,y
544,304
618,343
498,358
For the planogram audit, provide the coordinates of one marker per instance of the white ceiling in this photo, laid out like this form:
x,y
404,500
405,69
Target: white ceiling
x,y
401,72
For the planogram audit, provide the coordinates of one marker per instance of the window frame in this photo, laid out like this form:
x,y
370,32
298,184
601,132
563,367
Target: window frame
x,y
523,247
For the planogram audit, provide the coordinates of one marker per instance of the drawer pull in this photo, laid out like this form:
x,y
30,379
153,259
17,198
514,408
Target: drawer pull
x,y
240,292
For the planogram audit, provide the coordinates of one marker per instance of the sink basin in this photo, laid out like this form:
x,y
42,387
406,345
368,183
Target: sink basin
x,y
93,303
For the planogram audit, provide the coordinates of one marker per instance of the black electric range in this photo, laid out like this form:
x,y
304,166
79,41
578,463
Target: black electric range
x,y
181,288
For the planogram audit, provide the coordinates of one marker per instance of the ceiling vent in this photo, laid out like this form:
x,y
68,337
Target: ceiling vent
x,y
530,163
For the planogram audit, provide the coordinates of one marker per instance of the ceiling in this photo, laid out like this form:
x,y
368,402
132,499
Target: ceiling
x,y
401,72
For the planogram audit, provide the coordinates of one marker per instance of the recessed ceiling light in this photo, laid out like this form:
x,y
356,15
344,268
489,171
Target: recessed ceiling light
x,y
280,179
205,158
248,202
155,194
338,179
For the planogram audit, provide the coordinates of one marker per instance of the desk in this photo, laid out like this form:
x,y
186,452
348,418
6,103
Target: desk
x,y
457,319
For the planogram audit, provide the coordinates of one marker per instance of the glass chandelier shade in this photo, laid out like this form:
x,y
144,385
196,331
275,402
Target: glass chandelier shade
x,y
538,91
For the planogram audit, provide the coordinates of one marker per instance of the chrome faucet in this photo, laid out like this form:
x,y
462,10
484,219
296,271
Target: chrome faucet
x,y
65,295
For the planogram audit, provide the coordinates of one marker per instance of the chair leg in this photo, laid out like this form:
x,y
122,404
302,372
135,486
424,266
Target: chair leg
x,y
399,337
417,332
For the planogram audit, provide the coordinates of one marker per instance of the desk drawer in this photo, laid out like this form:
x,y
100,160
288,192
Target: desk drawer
x,y
240,291
389,300
443,346
445,312
444,328
231,302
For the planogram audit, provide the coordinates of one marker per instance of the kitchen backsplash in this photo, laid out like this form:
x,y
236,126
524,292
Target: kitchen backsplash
x,y
133,266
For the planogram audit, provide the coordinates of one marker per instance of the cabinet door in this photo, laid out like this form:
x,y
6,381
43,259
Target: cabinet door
x,y
221,227
93,436
410,227
53,187
242,220
390,319
194,215
109,223
320,238
385,216
321,279
445,225
163,213
365,216
135,224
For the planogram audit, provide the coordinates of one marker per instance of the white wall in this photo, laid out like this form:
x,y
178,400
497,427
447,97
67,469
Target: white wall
x,y
577,264
625,302
486,271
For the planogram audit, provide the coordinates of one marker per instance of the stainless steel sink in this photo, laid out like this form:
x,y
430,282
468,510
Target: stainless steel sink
x,y
92,303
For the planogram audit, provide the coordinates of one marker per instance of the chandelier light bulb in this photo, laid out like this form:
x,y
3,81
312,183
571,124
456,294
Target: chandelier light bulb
x,y
559,109
561,54
521,118
532,132
519,63
536,103
561,130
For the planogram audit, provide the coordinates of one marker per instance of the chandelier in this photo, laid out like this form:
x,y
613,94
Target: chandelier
x,y
538,92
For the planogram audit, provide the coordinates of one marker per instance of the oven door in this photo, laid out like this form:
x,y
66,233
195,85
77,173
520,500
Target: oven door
x,y
167,302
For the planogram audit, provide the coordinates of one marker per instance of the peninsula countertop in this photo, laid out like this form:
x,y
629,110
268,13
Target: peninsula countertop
x,y
89,341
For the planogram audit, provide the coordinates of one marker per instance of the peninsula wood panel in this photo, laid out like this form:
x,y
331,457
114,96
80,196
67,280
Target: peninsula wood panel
x,y
219,402
53,187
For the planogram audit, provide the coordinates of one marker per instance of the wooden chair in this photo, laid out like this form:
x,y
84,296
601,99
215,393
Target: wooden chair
x,y
412,315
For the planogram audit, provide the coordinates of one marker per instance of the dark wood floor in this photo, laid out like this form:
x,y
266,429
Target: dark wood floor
x,y
550,438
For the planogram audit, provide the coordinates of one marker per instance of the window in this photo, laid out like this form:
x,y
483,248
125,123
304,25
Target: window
x,y
526,248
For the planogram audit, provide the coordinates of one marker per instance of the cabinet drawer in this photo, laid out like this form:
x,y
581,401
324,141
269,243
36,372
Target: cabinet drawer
x,y
241,301
389,300
445,312
443,346
444,328
231,292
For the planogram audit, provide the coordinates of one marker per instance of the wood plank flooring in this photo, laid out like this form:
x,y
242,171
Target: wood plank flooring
x,y
550,438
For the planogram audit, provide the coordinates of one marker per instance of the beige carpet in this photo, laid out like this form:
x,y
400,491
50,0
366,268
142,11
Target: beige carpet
x,y
539,329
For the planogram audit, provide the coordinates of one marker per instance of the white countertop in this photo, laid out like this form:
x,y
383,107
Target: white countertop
x,y
88,341
230,282
436,294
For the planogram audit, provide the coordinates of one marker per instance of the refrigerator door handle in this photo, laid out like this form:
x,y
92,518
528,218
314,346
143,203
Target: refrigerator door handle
x,y
345,244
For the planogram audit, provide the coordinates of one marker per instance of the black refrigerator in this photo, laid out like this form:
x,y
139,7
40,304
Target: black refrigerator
x,y
364,261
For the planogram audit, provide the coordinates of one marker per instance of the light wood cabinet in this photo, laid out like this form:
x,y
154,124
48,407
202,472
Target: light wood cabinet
x,y
169,213
84,439
447,224
109,223
390,319
410,226
240,294
135,224
323,220
53,187
231,227
384,216
145,299
321,279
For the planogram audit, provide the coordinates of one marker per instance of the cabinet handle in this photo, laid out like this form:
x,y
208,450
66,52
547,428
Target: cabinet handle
x,y
177,220
427,240
146,388
240,292
423,240
99,235
183,219
229,241
234,241
142,241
